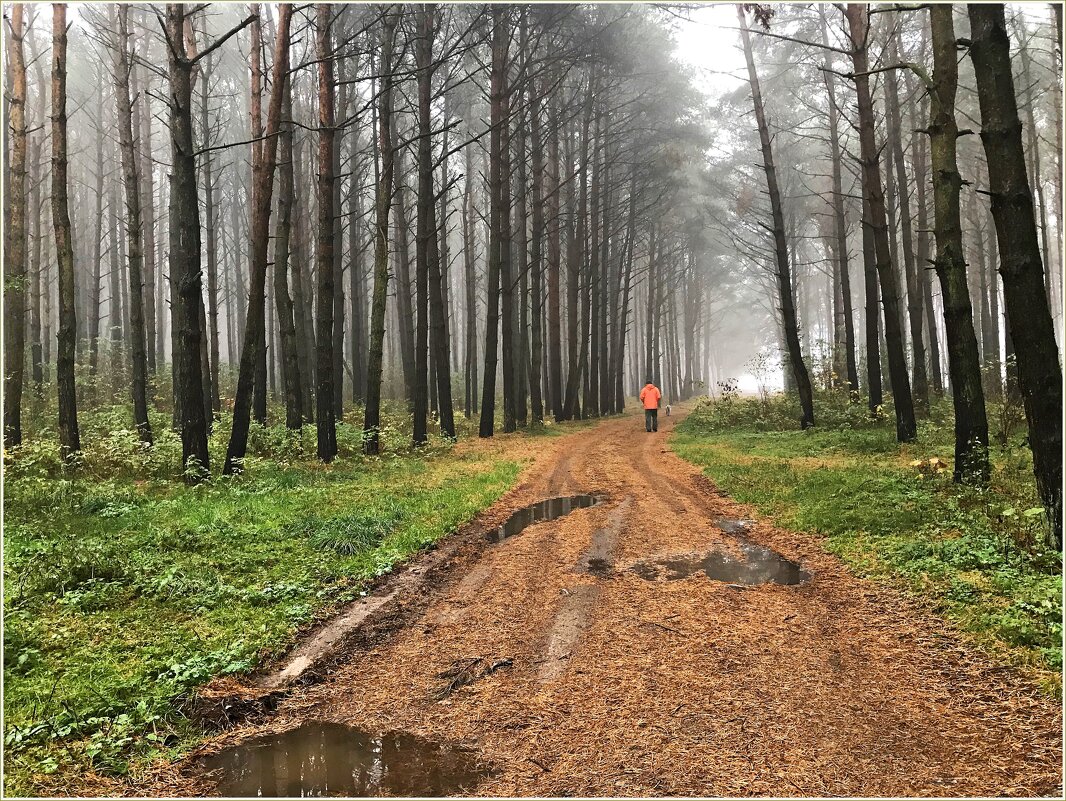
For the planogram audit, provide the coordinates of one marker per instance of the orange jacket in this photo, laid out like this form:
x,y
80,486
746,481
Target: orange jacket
x,y
651,396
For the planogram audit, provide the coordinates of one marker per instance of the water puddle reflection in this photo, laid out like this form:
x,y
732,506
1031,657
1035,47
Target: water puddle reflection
x,y
328,759
758,565
539,512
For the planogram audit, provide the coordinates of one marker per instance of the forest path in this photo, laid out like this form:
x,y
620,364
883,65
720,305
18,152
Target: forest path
x,y
619,685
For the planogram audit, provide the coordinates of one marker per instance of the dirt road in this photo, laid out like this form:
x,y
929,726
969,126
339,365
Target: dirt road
x,y
621,685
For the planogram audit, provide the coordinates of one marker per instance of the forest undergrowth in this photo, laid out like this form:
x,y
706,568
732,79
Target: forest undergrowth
x,y
125,590
977,556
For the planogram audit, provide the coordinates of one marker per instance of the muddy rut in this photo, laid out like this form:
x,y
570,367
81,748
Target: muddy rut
x,y
609,683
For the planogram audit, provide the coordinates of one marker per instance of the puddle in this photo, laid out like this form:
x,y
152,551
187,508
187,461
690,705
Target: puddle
x,y
328,759
759,565
538,512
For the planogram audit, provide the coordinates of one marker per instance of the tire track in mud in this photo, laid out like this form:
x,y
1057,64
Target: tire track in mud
x,y
578,605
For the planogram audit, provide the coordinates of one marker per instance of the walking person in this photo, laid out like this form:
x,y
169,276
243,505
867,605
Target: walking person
x,y
650,397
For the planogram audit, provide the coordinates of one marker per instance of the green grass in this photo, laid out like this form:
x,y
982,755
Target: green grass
x,y
125,590
977,556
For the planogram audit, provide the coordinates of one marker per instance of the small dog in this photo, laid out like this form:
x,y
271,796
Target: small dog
x,y
668,410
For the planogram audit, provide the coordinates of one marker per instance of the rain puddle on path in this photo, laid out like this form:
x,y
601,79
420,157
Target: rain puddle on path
x,y
328,759
539,512
759,565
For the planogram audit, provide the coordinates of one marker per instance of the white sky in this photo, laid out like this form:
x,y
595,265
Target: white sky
x,y
710,43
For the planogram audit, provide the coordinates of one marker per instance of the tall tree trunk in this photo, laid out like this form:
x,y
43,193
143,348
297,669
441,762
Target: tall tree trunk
x,y
784,276
148,219
326,413
97,262
425,236
964,364
114,306
290,357
592,280
340,112
606,276
519,284
470,283
404,308
918,161
993,355
372,415
134,228
576,218
914,296
36,212
858,23
210,227
15,238
555,352
873,314
301,298
185,273
436,300
69,439
498,255
264,159
357,291
622,327
1031,328
1035,164
988,332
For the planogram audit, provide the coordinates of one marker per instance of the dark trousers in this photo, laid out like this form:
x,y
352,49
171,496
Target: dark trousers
x,y
651,419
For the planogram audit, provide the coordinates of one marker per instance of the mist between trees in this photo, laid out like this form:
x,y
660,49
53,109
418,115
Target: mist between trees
x,y
530,207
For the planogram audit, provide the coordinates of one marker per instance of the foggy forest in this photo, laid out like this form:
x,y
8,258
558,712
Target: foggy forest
x,y
308,310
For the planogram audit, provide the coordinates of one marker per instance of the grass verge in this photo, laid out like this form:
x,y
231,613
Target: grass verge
x,y
977,556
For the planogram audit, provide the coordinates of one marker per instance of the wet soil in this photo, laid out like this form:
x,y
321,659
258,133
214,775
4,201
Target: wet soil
x,y
615,685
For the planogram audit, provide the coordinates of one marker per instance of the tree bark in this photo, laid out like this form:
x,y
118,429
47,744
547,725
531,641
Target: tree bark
x,y
15,238
964,364
372,415
185,273
437,302
1029,316
784,273
301,298
470,283
894,133
290,358
874,390
134,228
858,24
211,245
555,353
425,236
264,159
918,161
357,291
36,266
326,420
404,308
148,219
69,439
498,255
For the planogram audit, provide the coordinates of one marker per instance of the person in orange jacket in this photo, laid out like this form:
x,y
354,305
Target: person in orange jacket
x,y
650,397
